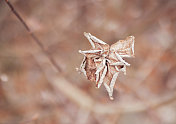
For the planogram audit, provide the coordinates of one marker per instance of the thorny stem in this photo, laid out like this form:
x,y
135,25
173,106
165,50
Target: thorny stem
x,y
34,37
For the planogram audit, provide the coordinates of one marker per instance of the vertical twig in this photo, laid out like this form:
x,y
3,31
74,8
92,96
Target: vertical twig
x,y
34,37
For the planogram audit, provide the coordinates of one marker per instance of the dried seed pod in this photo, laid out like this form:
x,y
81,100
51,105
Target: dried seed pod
x,y
103,63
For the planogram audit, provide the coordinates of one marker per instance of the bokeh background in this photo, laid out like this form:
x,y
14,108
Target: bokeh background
x,y
33,91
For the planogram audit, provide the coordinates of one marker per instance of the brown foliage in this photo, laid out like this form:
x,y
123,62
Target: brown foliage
x,y
32,90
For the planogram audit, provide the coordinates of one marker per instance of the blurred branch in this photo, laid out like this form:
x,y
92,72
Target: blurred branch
x,y
77,95
148,19
34,37
83,99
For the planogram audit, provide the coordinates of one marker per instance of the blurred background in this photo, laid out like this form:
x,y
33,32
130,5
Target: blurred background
x,y
33,91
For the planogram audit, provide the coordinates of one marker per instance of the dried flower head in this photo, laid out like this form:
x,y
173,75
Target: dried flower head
x,y
102,63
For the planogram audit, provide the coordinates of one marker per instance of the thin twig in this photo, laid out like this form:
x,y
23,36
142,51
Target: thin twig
x,y
34,37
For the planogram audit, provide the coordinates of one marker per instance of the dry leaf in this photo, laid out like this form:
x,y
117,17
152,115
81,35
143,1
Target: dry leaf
x,y
102,63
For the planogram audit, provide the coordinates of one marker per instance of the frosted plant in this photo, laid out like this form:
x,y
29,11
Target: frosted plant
x,y
102,63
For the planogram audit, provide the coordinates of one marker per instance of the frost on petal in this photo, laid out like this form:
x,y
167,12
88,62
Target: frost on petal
x,y
97,43
125,48
102,63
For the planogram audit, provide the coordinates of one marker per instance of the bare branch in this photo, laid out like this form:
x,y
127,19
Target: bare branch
x,y
34,37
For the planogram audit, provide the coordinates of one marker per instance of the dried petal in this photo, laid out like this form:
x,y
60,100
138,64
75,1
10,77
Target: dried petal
x,y
103,63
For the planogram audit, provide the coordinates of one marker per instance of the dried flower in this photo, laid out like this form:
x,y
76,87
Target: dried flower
x,y
102,63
